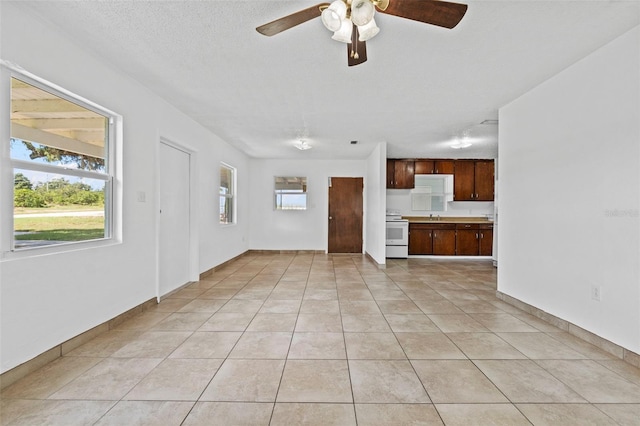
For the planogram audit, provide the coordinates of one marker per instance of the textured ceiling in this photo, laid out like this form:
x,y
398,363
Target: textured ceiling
x,y
421,86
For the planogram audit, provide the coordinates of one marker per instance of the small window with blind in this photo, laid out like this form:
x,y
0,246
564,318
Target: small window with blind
x,y
227,194
290,193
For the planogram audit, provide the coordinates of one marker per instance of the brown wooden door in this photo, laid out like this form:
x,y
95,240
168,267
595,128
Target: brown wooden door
x,y
484,180
463,180
420,239
345,215
444,242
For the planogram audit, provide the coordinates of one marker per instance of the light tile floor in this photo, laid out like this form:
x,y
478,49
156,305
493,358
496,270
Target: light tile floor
x,y
286,339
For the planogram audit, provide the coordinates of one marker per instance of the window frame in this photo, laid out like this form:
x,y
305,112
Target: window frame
x,y
231,196
283,193
111,177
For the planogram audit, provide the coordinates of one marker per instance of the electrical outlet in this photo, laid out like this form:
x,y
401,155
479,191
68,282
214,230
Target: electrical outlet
x,y
595,292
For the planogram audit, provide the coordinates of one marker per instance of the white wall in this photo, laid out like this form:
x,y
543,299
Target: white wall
x,y
375,194
46,300
301,229
569,193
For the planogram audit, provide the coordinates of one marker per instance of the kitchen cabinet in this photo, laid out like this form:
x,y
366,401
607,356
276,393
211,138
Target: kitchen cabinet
x,y
432,238
473,180
420,239
431,167
486,240
391,173
474,239
400,174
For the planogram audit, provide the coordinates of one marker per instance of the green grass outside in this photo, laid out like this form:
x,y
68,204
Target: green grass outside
x,y
66,228
55,209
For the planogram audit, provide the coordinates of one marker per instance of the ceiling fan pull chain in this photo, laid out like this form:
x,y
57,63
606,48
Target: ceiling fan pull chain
x,y
354,43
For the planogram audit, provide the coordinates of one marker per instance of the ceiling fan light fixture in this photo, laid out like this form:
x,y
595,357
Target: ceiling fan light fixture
x,y
333,15
368,31
461,143
344,33
302,145
362,12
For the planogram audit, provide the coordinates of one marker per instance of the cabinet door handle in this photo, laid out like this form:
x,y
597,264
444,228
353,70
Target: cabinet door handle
x,y
476,235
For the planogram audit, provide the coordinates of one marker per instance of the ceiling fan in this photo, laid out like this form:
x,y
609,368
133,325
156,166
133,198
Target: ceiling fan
x,y
352,21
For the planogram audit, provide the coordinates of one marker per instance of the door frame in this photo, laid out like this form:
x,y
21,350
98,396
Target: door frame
x,y
194,242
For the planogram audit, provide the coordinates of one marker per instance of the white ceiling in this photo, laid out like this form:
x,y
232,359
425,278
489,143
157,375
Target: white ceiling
x,y
421,86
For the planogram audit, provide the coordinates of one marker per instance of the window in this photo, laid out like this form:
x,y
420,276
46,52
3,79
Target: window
x,y
290,193
60,151
227,194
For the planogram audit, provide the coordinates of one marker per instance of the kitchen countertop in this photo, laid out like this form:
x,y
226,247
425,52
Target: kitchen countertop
x,y
445,219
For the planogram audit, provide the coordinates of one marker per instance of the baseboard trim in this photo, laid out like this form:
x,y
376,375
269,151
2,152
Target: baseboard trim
x,y
210,271
27,367
375,262
606,345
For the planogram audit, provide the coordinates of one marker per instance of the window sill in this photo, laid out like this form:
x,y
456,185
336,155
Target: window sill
x,y
62,248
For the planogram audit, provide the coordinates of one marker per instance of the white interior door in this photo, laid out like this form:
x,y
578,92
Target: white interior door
x,y
174,218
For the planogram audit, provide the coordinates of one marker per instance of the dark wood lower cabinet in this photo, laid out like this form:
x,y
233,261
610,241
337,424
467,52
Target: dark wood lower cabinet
x,y
474,239
467,241
444,241
432,238
420,239
486,240
447,239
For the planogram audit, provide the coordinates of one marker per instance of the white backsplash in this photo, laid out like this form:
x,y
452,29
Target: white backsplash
x,y
400,200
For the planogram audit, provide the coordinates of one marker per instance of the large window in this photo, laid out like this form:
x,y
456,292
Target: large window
x,y
227,193
60,152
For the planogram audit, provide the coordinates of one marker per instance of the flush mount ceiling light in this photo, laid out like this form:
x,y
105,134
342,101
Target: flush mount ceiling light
x,y
352,22
302,145
461,143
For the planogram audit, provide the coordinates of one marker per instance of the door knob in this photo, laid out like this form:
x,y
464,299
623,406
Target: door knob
x,y
330,217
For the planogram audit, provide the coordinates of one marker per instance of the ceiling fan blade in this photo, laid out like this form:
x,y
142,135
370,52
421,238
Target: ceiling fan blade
x,y
290,21
356,50
435,12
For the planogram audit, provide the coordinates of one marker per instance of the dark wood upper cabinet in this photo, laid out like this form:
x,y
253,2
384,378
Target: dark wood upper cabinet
x,y
484,180
464,180
443,167
402,176
473,180
424,167
433,167
391,173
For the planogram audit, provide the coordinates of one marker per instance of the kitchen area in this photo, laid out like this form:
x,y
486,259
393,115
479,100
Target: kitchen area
x,y
441,207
